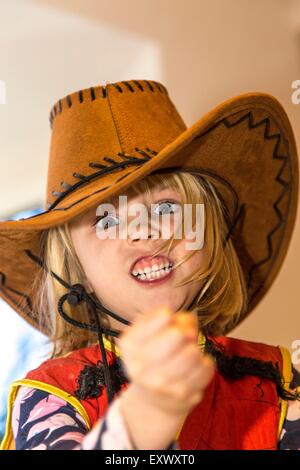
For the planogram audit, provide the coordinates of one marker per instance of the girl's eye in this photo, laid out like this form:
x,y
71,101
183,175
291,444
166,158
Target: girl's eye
x,y
105,221
167,207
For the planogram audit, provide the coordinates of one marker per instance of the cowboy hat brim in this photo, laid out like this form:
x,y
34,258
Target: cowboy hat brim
x,y
245,145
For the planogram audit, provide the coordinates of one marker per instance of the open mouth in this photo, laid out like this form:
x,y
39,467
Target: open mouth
x,y
149,269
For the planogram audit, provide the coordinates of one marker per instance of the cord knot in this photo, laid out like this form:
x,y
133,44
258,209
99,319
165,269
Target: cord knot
x,y
76,294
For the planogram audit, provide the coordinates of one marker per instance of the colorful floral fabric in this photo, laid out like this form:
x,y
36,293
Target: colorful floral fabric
x,y
42,421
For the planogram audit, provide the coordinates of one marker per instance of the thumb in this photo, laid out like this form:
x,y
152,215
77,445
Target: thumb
x,y
188,323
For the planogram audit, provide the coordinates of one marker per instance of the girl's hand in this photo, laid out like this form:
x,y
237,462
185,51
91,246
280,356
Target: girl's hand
x,y
163,360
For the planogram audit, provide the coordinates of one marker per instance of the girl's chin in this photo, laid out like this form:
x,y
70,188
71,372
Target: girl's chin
x,y
158,303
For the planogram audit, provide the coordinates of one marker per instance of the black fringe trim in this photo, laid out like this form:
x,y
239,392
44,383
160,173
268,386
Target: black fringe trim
x,y
91,380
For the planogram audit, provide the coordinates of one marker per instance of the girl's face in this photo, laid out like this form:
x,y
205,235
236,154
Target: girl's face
x,y
108,263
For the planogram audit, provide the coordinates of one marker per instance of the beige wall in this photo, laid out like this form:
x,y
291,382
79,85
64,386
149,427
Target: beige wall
x,y
203,51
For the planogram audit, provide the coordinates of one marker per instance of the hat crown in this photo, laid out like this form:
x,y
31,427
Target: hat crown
x,y
92,128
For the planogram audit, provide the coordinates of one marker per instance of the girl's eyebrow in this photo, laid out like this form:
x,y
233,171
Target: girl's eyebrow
x,y
156,195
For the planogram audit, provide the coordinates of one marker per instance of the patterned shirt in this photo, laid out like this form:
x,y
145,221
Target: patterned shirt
x,y
42,421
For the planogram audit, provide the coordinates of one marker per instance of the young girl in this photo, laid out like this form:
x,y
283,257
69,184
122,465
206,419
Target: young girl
x,y
141,359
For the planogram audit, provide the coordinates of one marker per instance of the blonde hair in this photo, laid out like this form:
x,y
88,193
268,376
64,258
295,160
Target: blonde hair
x,y
220,302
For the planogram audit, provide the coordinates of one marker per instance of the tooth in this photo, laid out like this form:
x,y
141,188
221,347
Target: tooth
x,y
161,266
140,271
155,267
143,276
148,276
147,270
134,273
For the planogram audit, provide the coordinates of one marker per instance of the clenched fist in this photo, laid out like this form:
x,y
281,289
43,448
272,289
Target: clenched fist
x,y
163,360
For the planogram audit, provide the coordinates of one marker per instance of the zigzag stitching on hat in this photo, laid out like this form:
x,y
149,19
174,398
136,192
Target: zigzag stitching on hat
x,y
286,185
58,108
128,160
281,217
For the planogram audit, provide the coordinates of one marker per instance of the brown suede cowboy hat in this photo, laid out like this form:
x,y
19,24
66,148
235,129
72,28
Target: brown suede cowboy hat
x,y
106,138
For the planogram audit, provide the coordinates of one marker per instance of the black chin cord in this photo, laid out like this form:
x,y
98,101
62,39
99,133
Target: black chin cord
x,y
75,296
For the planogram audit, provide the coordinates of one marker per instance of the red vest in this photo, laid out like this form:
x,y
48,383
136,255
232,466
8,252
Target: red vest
x,y
234,414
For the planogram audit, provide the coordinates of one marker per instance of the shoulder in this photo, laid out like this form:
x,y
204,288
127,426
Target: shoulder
x,y
62,372
78,358
82,355
257,350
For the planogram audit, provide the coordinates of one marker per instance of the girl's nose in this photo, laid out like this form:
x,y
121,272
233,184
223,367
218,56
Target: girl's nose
x,y
143,232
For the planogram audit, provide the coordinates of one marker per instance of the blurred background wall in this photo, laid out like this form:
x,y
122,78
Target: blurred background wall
x,y
203,51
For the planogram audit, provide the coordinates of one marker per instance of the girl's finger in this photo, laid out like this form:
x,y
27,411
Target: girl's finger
x,y
144,331
178,367
198,380
160,348
188,323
